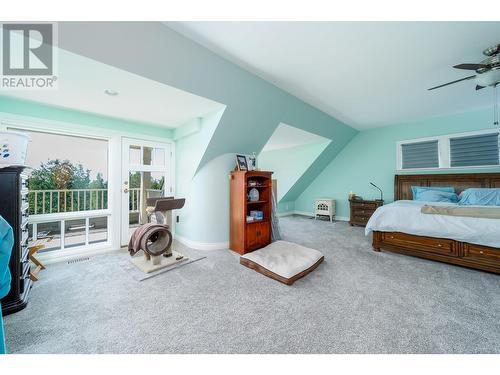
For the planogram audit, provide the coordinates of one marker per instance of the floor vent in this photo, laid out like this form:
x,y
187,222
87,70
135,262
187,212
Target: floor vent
x,y
78,260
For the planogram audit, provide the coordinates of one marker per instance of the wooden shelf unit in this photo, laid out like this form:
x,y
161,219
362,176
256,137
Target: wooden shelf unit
x,y
256,202
248,236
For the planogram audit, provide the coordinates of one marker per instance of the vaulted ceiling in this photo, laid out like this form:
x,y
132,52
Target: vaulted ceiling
x,y
82,83
367,74
254,107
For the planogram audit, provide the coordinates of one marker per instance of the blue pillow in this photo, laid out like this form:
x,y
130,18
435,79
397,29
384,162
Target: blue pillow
x,y
480,197
437,196
416,190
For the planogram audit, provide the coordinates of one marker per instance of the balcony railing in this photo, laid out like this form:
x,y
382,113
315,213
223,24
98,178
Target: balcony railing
x,y
79,217
42,202
135,196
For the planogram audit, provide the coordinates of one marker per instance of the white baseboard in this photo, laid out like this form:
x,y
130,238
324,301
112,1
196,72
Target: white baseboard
x,y
201,245
303,213
342,218
310,214
63,256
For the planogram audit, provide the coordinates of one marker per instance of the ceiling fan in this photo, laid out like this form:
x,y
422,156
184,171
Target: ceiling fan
x,y
487,73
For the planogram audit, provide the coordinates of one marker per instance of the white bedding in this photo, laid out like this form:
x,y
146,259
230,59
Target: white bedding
x,y
405,216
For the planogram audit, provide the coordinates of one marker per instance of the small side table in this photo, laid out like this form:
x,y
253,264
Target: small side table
x,y
362,210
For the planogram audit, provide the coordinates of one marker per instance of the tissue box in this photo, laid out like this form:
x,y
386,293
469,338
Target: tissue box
x,y
258,215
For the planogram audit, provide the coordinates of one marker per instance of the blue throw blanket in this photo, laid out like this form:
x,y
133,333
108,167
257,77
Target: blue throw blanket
x,y
6,244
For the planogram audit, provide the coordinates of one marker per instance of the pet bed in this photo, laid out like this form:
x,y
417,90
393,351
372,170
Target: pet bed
x,y
283,261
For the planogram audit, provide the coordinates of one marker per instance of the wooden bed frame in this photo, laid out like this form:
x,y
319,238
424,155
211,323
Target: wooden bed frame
x,y
441,249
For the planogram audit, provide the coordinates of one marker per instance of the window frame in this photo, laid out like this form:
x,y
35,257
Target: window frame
x,y
444,152
114,138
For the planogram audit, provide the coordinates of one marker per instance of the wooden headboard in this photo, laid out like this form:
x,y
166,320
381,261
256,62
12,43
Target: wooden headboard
x,y
460,181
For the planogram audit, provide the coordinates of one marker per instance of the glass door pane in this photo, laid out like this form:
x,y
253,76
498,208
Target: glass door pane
x,y
143,185
146,173
158,156
134,154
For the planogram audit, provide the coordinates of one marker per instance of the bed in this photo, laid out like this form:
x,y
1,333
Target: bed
x,y
470,242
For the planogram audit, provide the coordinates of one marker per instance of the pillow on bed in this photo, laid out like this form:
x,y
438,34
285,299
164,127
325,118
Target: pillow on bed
x,y
437,196
480,197
417,190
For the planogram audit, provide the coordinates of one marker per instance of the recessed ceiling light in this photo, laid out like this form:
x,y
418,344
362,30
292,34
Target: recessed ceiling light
x,y
111,92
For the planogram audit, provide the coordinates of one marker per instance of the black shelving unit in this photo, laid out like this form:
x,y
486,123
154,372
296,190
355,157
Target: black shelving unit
x,y
14,209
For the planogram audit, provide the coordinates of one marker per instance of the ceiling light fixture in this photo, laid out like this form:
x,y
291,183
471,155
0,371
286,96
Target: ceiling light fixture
x,y
111,92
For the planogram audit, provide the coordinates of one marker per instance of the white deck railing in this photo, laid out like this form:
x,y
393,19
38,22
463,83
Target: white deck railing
x,y
42,202
135,196
66,215
67,200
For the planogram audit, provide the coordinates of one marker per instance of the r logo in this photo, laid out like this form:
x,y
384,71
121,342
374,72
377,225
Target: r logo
x,y
27,49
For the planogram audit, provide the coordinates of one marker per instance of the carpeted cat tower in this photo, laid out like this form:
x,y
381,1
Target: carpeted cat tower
x,y
155,237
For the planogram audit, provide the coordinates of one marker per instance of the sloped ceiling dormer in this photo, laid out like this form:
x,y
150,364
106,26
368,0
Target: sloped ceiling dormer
x,y
254,107
289,153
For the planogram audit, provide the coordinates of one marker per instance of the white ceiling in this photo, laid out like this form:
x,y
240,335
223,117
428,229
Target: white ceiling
x,y
286,136
81,85
367,74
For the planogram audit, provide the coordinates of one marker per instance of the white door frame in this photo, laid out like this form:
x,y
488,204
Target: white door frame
x,y
167,168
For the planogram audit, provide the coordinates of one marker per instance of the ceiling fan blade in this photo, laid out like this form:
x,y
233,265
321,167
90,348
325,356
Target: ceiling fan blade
x,y
479,87
452,82
470,66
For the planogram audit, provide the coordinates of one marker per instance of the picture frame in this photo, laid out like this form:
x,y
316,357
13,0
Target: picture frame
x,y
241,162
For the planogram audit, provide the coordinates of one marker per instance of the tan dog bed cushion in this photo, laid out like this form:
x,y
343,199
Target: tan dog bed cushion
x,y
283,261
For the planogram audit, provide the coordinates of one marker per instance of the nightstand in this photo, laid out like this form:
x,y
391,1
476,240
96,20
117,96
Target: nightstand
x,y
362,210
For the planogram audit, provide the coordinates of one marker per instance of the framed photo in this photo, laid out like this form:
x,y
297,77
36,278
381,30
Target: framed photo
x,y
241,161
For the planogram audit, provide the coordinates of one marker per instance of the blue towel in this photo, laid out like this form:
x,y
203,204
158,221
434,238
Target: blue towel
x,y
6,244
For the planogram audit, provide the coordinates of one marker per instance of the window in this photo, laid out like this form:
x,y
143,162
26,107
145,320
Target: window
x,y
465,150
474,150
68,190
68,173
420,155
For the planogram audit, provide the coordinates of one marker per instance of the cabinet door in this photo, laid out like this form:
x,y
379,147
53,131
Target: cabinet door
x,y
252,239
258,235
263,234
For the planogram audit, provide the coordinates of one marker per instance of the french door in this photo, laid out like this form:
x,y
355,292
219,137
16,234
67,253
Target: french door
x,y
146,173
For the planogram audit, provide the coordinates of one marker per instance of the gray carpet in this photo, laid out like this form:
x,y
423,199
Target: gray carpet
x,y
357,301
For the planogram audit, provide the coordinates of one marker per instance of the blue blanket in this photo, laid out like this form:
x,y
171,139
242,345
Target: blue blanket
x,y
6,243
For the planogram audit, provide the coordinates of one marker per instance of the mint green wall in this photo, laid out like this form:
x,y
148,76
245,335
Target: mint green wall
x,y
205,219
254,107
289,164
46,112
371,156
284,207
191,142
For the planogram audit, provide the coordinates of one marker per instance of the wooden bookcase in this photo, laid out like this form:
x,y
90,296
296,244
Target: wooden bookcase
x,y
248,236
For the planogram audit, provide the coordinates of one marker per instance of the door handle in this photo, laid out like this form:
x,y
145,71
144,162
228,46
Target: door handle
x,y
125,190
